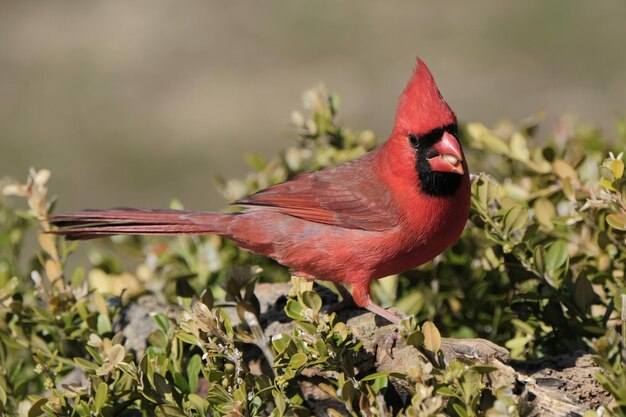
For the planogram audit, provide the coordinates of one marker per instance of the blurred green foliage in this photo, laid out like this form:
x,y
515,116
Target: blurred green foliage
x,y
539,269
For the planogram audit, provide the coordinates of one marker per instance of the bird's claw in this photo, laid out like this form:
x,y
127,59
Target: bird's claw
x,y
390,342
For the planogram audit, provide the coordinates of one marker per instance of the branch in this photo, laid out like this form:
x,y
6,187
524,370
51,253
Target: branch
x,y
559,386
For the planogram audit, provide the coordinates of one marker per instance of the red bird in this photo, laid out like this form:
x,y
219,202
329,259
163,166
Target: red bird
x,y
391,210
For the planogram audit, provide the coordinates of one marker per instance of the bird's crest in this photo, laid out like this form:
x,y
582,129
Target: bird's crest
x,y
421,107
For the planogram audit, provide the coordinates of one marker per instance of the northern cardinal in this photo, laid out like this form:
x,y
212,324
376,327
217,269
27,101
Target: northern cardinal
x,y
391,210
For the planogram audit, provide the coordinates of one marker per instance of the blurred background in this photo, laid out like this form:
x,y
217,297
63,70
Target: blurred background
x,y
134,103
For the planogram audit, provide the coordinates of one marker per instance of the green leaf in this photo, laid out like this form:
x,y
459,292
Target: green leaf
x,y
78,277
564,170
544,213
36,408
101,395
298,360
608,184
485,139
540,259
279,402
412,303
3,395
193,371
519,148
583,293
375,375
556,256
100,304
198,403
515,219
617,168
12,343
280,342
432,337
517,342
380,383
347,391
104,324
255,161
485,190
293,309
460,410
82,409
617,220
85,364
161,385
157,339
116,354
340,333
180,382
169,411
448,392
308,327
239,394
162,322
207,298
483,369
334,100
312,300
187,338
523,326
48,244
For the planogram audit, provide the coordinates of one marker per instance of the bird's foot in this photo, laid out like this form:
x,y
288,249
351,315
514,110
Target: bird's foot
x,y
348,301
390,342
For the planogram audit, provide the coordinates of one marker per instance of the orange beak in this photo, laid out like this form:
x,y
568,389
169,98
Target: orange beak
x,y
450,156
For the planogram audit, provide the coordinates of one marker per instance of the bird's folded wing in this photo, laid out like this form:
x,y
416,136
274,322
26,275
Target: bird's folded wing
x,y
338,197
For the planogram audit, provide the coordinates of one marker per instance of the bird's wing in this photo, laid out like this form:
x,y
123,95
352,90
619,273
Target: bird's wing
x,y
349,196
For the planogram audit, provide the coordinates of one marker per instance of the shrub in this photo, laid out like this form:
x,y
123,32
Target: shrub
x,y
539,269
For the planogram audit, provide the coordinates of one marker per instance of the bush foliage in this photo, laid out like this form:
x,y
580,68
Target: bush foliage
x,y
539,269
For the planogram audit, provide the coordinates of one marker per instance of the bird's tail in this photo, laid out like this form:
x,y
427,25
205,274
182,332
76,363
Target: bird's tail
x,y
91,224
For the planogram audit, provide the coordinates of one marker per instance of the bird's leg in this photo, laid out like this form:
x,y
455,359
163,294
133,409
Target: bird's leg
x,y
382,312
348,301
391,339
361,295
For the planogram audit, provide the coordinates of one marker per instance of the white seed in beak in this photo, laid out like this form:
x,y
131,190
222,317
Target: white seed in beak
x,y
450,159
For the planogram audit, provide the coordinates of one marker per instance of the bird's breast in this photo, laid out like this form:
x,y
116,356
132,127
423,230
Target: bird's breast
x,y
429,226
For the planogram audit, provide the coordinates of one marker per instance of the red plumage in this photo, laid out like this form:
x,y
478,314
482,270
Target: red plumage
x,y
393,209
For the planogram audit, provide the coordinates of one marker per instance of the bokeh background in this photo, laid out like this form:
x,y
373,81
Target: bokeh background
x,y
134,103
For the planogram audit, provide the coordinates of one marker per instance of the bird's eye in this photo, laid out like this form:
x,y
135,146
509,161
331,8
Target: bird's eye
x,y
413,140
